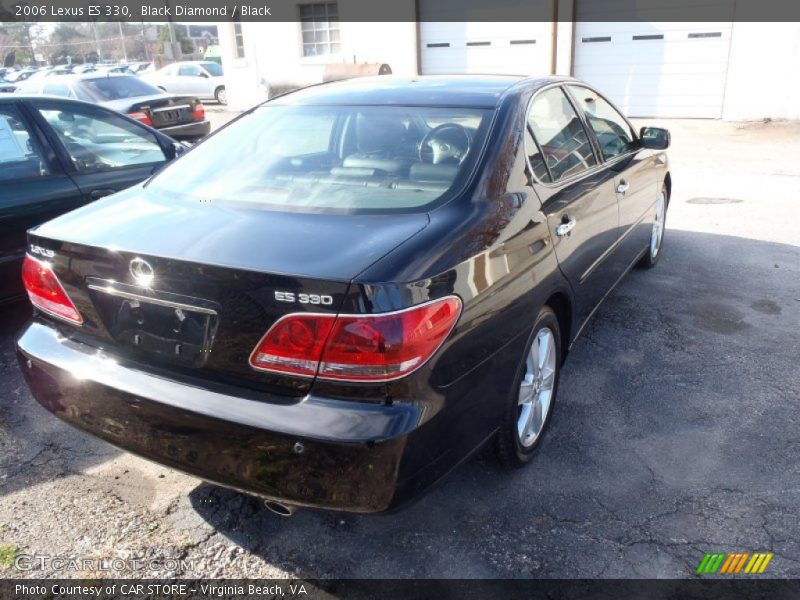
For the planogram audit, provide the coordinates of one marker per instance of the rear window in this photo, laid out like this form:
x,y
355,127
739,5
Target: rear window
x,y
117,87
350,158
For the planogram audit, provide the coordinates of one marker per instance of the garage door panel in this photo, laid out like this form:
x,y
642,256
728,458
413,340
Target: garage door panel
x,y
684,64
651,69
477,47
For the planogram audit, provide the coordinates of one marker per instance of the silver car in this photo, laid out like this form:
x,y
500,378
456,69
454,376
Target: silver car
x,y
199,78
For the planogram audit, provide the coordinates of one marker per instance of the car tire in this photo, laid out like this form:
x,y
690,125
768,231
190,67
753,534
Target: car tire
x,y
220,95
515,444
653,251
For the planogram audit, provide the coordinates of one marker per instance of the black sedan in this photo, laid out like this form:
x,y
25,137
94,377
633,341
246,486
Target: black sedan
x,y
180,116
350,289
57,155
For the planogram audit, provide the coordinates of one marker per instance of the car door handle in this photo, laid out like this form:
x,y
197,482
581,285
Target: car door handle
x,y
567,225
622,187
97,194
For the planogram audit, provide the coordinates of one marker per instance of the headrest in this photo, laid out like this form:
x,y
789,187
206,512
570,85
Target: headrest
x,y
428,172
376,133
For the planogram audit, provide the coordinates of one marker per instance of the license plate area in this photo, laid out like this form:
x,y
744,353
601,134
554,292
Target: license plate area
x,y
171,327
169,116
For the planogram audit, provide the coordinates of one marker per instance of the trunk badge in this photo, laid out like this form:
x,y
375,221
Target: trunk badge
x,y
142,272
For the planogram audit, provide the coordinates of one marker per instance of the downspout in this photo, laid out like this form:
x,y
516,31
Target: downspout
x,y
554,47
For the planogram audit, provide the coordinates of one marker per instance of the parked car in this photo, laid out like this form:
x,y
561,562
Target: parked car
x,y
115,69
180,117
343,294
6,87
57,155
24,74
203,79
139,67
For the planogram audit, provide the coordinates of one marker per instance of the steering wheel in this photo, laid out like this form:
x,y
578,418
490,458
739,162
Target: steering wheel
x,y
448,140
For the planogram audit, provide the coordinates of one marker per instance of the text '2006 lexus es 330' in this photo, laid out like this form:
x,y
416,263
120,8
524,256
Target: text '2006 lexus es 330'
x,y
342,294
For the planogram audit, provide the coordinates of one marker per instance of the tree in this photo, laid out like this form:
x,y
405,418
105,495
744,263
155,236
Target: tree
x,y
20,38
187,46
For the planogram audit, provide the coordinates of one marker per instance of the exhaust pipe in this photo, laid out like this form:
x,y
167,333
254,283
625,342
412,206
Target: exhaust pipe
x,y
283,510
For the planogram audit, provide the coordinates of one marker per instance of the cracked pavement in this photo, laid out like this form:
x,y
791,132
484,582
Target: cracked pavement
x,y
674,433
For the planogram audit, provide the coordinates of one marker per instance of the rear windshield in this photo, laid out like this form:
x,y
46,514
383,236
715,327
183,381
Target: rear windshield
x,y
119,86
350,158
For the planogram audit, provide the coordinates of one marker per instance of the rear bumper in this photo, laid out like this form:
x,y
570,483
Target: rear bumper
x,y
189,131
351,451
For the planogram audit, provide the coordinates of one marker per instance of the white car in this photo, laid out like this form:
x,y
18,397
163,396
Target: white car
x,y
198,78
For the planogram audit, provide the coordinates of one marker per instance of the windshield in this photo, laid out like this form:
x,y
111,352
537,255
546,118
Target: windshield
x,y
332,157
213,68
116,87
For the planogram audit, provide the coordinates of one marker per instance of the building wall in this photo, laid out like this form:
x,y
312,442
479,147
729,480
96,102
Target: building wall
x,y
763,72
274,58
763,77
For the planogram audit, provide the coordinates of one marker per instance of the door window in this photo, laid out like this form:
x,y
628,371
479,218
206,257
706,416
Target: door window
x,y
561,135
98,140
535,157
189,71
20,154
610,127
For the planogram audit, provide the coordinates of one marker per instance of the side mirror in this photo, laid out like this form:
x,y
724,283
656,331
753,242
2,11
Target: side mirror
x,y
654,138
203,75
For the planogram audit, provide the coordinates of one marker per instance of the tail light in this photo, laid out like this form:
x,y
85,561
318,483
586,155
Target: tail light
x,y
198,112
46,292
142,117
373,348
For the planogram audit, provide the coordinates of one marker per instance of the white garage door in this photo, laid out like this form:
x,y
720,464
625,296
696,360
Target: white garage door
x,y
497,48
656,69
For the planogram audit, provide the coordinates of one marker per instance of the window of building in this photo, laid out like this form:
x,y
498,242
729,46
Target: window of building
x,y
320,27
239,38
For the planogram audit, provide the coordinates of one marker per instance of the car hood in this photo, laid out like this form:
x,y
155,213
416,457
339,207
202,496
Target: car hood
x,y
317,245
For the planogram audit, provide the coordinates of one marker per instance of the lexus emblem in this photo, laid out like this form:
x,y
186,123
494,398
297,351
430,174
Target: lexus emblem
x,y
142,272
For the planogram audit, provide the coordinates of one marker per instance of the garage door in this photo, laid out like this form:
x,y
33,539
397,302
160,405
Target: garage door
x,y
656,69
498,48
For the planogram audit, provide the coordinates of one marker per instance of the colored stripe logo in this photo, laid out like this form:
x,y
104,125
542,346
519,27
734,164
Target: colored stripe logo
x,y
733,563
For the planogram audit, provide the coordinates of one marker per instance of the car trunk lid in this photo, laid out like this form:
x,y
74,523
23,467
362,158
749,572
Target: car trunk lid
x,y
193,287
164,110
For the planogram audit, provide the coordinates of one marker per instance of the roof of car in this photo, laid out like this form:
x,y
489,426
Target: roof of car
x,y
96,74
444,90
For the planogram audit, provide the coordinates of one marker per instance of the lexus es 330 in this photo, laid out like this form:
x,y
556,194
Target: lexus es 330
x,y
344,293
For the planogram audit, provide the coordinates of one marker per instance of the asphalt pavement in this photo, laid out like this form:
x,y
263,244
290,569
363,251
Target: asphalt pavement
x,y
675,432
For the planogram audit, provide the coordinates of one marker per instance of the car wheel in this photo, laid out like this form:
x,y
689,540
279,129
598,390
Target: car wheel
x,y
533,393
221,95
653,252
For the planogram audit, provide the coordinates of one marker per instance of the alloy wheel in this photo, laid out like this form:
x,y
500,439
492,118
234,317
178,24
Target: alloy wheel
x,y
536,387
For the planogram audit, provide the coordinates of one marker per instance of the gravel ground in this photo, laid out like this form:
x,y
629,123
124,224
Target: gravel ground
x,y
675,432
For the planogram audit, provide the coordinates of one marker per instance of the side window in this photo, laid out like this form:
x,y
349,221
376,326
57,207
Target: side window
x,y
189,71
20,154
609,126
102,140
560,133
535,157
57,89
